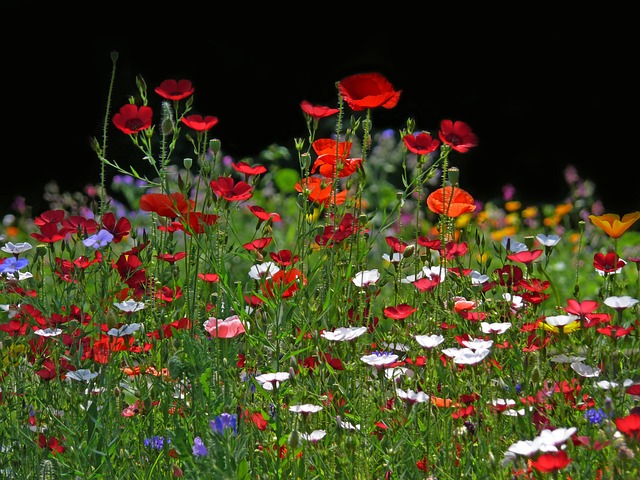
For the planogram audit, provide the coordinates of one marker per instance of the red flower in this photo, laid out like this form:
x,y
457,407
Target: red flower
x,y
175,89
209,277
368,90
426,284
284,283
284,258
133,119
327,164
581,309
258,244
119,229
324,146
399,312
170,206
458,135
451,202
320,192
316,112
49,233
421,144
629,425
609,263
551,462
397,245
200,123
226,188
53,444
526,256
246,169
615,331
263,216
171,258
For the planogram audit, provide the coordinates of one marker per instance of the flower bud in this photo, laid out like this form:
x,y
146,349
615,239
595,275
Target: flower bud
x,y
454,175
187,162
409,251
294,439
214,145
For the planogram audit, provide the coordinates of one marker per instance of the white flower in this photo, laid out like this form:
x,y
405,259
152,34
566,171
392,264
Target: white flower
x,y
620,303
396,258
513,246
525,447
366,278
305,408
562,358
429,341
467,356
557,436
48,332
346,425
478,343
548,240
497,327
124,330
16,248
399,347
130,305
264,270
430,272
81,375
313,437
478,278
561,320
343,334
585,370
515,300
379,359
396,373
412,397
269,380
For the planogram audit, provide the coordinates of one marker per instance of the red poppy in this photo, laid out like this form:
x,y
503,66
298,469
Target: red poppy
x,y
451,202
52,444
399,312
246,169
195,222
228,189
284,258
171,258
629,425
609,263
209,277
396,244
133,119
258,244
615,331
175,89
421,144
581,309
285,283
426,284
551,461
368,90
427,242
458,135
327,164
79,224
49,233
316,112
200,123
170,206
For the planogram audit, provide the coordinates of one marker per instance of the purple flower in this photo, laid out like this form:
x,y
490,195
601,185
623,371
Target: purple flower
x,y
595,415
199,450
13,264
155,442
99,240
224,420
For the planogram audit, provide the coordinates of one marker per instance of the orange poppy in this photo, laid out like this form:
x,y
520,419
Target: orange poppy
x,y
326,165
451,202
320,192
611,223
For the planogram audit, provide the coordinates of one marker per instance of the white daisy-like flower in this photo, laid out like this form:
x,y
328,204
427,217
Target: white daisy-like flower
x,y
343,334
16,248
313,437
128,329
557,436
477,343
130,305
305,408
620,303
48,332
470,356
379,359
606,385
548,240
496,327
429,341
412,397
269,380
395,258
263,271
525,448
366,277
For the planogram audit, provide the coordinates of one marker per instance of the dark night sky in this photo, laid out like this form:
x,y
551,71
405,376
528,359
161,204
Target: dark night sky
x,y
536,106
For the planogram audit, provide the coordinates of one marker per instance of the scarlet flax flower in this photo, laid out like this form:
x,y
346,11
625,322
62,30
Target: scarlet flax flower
x,y
368,90
132,119
175,89
458,135
200,123
421,144
316,112
229,190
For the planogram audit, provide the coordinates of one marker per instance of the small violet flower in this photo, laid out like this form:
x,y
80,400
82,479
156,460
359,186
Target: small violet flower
x,y
155,442
223,421
199,450
13,264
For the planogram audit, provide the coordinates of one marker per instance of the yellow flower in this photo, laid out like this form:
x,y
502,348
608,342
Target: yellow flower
x,y
611,224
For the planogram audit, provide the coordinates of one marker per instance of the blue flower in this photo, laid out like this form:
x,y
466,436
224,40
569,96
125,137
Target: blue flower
x,y
199,450
595,415
224,420
99,240
13,264
155,442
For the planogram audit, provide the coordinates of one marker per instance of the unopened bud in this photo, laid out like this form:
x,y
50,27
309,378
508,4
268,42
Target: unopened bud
x,y
214,145
409,251
187,162
294,439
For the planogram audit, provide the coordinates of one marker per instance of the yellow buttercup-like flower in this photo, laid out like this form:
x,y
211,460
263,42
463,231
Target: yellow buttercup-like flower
x,y
611,223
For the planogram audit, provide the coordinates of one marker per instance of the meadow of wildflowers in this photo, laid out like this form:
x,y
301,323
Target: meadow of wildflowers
x,y
344,308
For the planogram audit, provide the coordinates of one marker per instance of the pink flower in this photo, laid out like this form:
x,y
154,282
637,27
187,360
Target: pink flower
x,y
228,328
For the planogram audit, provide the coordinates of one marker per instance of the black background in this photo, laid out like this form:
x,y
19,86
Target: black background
x,y
539,99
